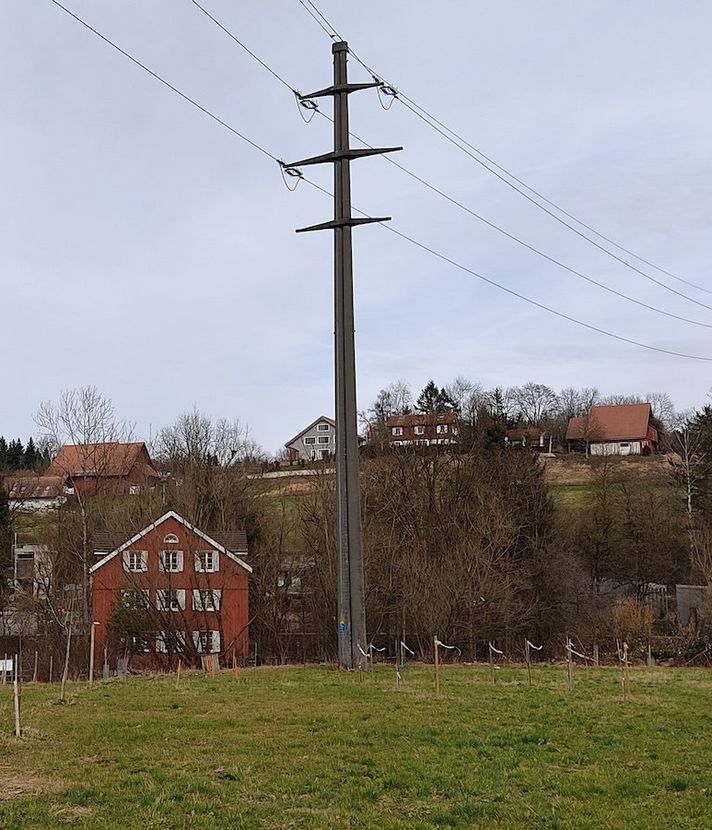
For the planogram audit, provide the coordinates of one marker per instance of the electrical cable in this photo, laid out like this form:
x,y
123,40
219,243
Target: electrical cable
x,y
434,123
401,234
166,83
516,294
393,93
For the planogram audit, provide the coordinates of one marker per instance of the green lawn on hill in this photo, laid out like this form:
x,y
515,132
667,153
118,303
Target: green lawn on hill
x,y
312,747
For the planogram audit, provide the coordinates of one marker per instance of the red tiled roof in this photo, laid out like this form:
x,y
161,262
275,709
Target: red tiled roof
x,y
623,422
20,488
422,420
110,459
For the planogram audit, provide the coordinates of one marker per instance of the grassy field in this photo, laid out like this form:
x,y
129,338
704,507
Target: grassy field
x,y
316,748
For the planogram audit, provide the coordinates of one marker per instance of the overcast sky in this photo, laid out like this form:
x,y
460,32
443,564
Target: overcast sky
x,y
148,251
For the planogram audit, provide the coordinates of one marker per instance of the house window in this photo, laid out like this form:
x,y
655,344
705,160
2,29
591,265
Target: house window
x,y
170,599
134,489
207,561
324,439
170,539
207,642
206,600
441,428
139,642
172,561
174,639
420,430
323,427
135,560
396,430
310,440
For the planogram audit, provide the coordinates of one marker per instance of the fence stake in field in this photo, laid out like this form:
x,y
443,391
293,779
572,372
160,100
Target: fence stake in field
x,y
179,669
51,661
595,655
569,664
34,670
16,697
436,643
626,678
234,664
4,669
65,671
92,641
492,652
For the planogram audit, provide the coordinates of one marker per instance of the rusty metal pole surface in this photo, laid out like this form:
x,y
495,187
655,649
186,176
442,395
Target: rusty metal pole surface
x,y
351,606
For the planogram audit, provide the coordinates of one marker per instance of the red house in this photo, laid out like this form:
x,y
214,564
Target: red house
x,y
623,429
111,468
172,590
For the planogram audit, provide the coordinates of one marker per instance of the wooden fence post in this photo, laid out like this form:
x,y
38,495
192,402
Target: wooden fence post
x,y
436,643
626,678
569,665
528,658
92,640
51,665
65,671
34,671
4,669
16,696
493,673
595,655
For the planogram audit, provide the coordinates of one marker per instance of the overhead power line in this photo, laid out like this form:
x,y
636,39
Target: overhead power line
x,y
165,83
401,234
485,161
590,326
456,202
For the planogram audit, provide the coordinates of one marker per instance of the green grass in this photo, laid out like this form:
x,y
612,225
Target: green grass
x,y
316,748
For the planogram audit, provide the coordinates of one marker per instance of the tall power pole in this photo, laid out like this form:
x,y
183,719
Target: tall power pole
x,y
351,609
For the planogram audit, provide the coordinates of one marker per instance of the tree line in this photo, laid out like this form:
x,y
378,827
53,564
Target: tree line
x,y
472,544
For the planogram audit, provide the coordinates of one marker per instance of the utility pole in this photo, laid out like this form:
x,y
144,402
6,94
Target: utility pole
x,y
351,611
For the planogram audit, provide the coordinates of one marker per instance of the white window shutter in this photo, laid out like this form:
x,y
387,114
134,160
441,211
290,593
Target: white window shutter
x,y
216,561
216,641
144,560
126,556
161,647
162,561
161,599
198,563
180,596
197,606
180,560
217,599
196,640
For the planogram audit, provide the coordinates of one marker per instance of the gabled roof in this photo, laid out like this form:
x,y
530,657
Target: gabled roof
x,y
105,541
621,422
330,421
422,419
33,487
171,514
111,459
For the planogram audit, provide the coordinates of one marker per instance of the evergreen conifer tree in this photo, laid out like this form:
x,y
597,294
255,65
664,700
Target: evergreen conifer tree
x,y
15,454
31,456
3,453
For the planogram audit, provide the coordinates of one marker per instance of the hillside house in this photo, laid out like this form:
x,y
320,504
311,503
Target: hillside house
x,y
171,590
623,429
111,468
31,493
430,429
314,443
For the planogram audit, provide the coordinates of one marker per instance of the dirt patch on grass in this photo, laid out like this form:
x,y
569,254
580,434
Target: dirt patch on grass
x,y
13,785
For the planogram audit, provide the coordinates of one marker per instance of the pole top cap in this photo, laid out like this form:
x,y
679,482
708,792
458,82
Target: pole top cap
x,y
340,46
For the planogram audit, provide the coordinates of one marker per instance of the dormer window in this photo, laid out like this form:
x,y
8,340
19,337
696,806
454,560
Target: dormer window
x,y
170,539
323,427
